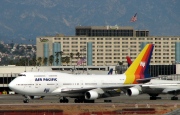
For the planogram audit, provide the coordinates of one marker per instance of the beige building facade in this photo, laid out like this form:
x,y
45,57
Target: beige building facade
x,y
107,51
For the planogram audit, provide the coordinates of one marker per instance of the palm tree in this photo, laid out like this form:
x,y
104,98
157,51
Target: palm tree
x,y
51,59
63,60
67,59
39,60
45,61
34,61
61,53
57,59
71,56
78,55
120,64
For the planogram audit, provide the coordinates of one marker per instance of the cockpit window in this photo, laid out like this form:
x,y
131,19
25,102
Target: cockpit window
x,y
21,75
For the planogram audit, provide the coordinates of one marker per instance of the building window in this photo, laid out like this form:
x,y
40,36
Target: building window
x,y
74,42
65,38
108,42
124,38
165,38
132,38
116,38
173,38
141,38
74,38
108,38
149,38
91,38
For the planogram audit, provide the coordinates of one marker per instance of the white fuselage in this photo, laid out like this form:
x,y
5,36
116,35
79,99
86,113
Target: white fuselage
x,y
52,83
161,86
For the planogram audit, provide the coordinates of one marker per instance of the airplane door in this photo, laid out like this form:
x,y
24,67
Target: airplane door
x,y
81,84
36,84
57,84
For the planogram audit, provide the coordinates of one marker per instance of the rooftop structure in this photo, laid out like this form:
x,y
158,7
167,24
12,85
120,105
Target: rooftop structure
x,y
110,31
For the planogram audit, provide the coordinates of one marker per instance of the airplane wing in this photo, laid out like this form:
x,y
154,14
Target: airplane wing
x,y
160,85
82,90
170,88
146,80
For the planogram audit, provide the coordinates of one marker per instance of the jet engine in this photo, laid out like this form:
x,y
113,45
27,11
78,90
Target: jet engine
x,y
91,95
133,91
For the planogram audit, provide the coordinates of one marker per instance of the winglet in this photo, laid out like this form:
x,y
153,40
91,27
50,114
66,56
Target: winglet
x,y
140,66
110,71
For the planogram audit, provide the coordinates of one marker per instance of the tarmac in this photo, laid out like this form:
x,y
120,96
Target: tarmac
x,y
141,102
122,99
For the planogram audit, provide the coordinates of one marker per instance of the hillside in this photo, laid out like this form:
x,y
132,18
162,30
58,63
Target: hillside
x,y
22,20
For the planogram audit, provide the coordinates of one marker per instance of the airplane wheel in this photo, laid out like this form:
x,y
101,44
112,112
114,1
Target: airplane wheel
x,y
75,100
153,95
26,100
174,98
81,101
66,101
61,101
153,98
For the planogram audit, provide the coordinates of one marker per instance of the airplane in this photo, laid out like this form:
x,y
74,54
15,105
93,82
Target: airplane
x,y
155,87
110,72
84,88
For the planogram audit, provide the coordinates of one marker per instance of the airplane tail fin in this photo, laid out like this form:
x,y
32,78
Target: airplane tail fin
x,y
128,60
110,71
139,68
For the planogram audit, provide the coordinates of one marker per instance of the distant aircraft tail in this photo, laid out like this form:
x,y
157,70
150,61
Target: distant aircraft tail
x,y
110,71
128,60
139,68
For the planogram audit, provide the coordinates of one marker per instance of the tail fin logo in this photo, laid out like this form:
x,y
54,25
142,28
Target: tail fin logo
x,y
139,68
143,64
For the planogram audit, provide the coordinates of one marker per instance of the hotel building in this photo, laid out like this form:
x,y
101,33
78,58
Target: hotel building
x,y
106,45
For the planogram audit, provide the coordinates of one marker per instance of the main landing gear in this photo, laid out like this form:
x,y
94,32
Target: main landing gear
x,y
82,100
174,98
64,100
76,100
154,96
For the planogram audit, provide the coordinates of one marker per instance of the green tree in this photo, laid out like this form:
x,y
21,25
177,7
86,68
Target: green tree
x,y
45,61
11,62
120,63
39,61
61,53
78,55
121,66
63,60
34,61
51,59
67,60
57,59
71,56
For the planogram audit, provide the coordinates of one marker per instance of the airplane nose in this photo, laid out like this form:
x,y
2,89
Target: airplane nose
x,y
11,85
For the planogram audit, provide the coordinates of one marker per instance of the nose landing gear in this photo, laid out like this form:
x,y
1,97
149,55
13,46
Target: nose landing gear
x,y
26,100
